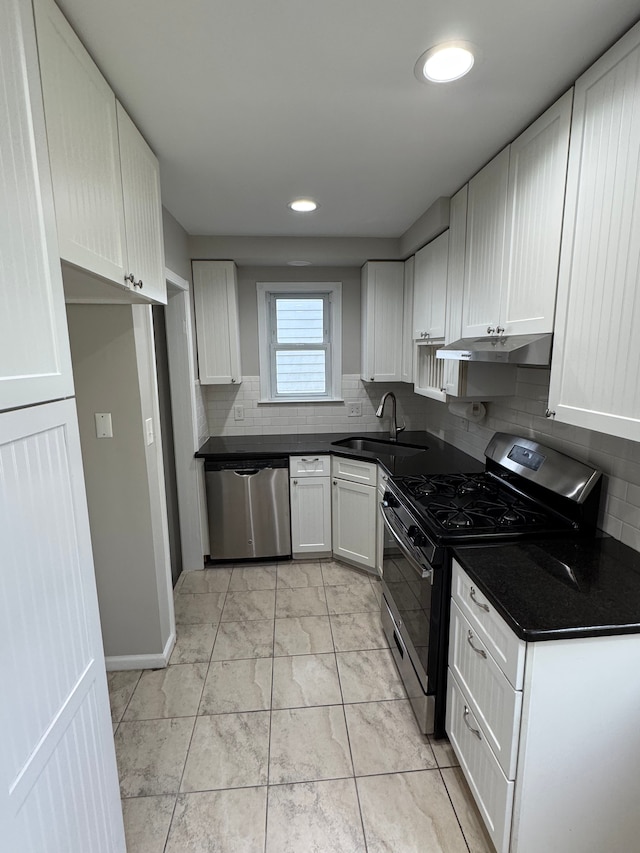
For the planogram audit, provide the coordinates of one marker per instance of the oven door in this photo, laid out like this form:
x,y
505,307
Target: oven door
x,y
408,598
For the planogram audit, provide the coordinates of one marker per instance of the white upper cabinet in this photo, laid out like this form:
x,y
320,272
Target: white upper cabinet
x,y
407,321
486,217
537,180
382,295
215,291
82,133
455,284
142,210
35,363
105,179
594,371
514,225
430,290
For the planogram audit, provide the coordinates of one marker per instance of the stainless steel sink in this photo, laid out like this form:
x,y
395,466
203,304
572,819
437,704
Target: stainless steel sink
x,y
379,446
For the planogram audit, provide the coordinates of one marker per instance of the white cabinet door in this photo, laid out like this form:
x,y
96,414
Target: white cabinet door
x,y
215,290
35,363
58,779
594,370
354,523
82,133
407,321
310,515
455,284
142,211
430,290
537,179
486,217
382,316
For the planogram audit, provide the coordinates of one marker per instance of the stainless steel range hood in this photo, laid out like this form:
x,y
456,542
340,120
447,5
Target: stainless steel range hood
x,y
512,349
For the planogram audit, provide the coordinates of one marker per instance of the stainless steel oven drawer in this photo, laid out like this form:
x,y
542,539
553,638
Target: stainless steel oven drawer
x,y
422,704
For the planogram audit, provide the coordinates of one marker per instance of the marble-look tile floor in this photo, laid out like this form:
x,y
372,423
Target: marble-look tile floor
x,y
281,726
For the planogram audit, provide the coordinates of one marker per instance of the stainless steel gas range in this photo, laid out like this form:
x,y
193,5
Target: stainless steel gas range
x,y
527,490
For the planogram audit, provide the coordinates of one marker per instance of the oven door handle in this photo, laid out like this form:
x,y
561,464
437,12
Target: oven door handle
x,y
422,572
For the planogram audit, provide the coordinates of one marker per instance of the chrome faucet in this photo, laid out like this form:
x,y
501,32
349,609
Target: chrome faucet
x,y
394,429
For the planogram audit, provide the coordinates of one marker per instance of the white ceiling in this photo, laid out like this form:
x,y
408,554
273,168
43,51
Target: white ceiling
x,y
249,103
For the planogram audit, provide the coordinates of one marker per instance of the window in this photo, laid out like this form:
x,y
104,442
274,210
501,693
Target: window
x,y
299,326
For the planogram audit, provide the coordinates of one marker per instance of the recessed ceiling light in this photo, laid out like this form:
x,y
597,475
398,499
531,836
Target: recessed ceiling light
x,y
445,62
298,263
303,205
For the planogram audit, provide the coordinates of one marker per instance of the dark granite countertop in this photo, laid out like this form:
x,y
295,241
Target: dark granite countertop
x,y
560,588
438,457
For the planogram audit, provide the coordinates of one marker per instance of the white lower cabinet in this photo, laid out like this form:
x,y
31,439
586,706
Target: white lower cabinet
x,y
492,791
354,511
543,731
310,506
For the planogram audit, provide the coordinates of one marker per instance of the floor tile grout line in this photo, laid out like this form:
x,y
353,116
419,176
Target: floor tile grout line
x,y
455,811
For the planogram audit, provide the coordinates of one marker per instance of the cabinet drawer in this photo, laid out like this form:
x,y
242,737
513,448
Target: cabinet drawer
x,y
310,466
491,697
383,479
354,470
506,649
492,791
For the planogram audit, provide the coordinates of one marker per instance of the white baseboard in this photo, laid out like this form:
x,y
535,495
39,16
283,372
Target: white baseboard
x,y
118,662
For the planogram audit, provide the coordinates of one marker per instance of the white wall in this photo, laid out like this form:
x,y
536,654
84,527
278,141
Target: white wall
x,y
124,519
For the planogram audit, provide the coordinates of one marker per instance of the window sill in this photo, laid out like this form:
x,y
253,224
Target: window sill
x,y
314,401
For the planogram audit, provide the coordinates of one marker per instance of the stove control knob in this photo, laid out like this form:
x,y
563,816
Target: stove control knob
x,y
417,538
390,500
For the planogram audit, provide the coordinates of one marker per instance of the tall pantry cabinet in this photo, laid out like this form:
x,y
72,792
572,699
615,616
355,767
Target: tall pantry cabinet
x,y
594,371
58,778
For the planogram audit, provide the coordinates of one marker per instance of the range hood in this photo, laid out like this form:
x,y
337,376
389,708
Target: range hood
x,y
512,349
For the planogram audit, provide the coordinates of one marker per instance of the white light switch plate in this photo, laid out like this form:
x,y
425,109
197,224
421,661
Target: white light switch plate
x,y
238,413
104,427
148,427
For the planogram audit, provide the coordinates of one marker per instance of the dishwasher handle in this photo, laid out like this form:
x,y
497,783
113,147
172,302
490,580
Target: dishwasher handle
x,y
245,467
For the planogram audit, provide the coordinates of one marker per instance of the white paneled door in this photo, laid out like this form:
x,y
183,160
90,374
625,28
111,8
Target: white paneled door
x,y
58,778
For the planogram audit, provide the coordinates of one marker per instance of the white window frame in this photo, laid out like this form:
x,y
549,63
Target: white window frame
x,y
332,291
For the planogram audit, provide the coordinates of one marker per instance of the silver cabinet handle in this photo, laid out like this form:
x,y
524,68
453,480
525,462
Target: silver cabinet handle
x,y
490,330
310,460
499,329
465,716
549,414
232,379
335,482
472,595
478,651
130,278
138,284
295,482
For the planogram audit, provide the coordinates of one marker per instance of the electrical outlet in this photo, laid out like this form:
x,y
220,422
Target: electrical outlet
x,y
354,410
238,413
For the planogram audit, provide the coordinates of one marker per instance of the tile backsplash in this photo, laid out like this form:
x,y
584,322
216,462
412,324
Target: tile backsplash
x,y
522,414
278,418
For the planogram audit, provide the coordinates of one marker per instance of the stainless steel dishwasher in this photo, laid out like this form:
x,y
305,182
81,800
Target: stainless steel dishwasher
x,y
248,508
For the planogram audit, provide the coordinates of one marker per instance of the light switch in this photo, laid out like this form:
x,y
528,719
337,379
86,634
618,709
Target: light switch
x,y
104,429
148,426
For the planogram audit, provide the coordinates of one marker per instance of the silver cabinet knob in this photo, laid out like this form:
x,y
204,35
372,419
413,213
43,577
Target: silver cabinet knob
x,y
490,330
138,284
130,278
549,414
295,482
499,329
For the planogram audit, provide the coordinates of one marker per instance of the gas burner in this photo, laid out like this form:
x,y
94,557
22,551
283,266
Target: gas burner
x,y
458,520
521,515
477,486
